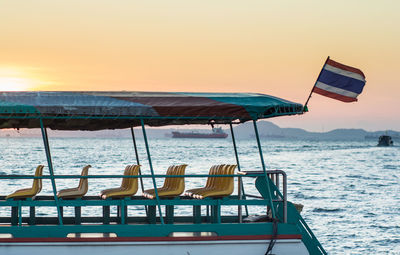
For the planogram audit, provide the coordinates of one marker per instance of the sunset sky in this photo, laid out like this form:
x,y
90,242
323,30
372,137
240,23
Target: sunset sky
x,y
272,47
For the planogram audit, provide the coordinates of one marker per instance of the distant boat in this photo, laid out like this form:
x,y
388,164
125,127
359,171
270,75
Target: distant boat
x,y
385,140
216,133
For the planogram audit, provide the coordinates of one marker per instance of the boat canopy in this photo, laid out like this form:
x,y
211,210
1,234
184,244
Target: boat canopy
x,y
89,110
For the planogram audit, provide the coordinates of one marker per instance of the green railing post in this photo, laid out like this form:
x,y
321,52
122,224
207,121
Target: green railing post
x,y
263,166
152,171
50,164
241,188
137,161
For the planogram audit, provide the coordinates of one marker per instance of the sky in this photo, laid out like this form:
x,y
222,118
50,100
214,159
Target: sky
x,y
271,47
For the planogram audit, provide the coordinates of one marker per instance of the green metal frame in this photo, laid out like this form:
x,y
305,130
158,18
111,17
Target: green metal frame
x,y
222,225
243,193
50,165
263,166
152,171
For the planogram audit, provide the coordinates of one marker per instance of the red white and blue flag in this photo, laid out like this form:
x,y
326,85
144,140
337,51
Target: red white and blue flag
x,y
339,81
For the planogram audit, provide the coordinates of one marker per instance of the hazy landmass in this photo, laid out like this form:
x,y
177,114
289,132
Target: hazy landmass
x,y
243,131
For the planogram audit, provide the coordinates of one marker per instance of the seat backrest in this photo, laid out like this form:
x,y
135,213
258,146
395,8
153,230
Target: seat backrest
x,y
219,181
83,182
216,181
37,183
228,182
124,183
132,183
178,183
211,179
168,180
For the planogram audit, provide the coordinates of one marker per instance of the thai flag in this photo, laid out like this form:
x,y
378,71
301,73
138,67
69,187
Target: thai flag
x,y
339,81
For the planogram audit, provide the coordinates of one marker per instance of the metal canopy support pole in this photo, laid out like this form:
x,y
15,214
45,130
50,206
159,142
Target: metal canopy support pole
x,y
137,161
241,192
137,156
263,166
152,171
50,164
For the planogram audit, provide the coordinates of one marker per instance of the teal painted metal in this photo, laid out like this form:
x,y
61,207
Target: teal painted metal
x,y
238,165
118,176
137,157
314,247
309,239
19,213
226,119
16,108
137,161
158,109
150,230
152,171
250,105
263,165
50,165
100,202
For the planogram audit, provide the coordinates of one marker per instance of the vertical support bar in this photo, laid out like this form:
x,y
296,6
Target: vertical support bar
x,y
196,214
240,198
106,214
151,216
169,214
122,211
78,215
19,213
32,215
263,166
152,171
14,215
284,177
241,187
50,164
138,162
137,156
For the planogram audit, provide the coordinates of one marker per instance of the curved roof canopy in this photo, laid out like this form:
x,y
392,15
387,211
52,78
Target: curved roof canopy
x,y
111,110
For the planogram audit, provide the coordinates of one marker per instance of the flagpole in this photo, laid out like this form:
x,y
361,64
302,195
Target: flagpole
x,y
305,109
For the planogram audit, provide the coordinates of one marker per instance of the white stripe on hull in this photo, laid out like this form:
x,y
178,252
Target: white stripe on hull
x,y
231,247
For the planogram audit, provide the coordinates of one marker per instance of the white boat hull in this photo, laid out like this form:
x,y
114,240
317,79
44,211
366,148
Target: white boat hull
x,y
231,247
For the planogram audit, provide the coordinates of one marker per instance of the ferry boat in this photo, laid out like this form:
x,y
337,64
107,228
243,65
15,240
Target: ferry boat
x,y
385,140
280,230
216,133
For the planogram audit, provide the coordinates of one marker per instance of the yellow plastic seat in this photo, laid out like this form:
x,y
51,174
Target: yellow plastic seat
x,y
30,192
123,184
79,191
210,181
128,188
150,192
222,186
173,186
214,181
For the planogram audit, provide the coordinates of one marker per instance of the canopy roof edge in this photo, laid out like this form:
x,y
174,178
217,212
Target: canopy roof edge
x,y
88,110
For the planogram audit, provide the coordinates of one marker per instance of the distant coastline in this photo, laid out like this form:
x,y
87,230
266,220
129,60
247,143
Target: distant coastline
x,y
267,130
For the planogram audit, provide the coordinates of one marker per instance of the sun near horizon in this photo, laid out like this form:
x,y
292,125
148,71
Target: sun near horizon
x,y
12,79
270,47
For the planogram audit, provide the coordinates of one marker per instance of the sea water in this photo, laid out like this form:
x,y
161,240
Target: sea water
x,y
350,189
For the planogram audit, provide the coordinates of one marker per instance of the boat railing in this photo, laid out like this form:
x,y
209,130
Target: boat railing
x,y
276,177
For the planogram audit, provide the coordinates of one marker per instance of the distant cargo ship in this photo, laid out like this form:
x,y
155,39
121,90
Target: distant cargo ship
x,y
216,133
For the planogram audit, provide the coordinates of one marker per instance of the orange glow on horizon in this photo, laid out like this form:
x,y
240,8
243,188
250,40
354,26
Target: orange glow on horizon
x,y
14,84
275,48
18,79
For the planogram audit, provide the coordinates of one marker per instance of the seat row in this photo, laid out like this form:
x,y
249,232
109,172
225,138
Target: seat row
x,y
217,185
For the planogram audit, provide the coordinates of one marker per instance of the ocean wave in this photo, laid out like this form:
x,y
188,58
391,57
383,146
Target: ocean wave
x,y
327,210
